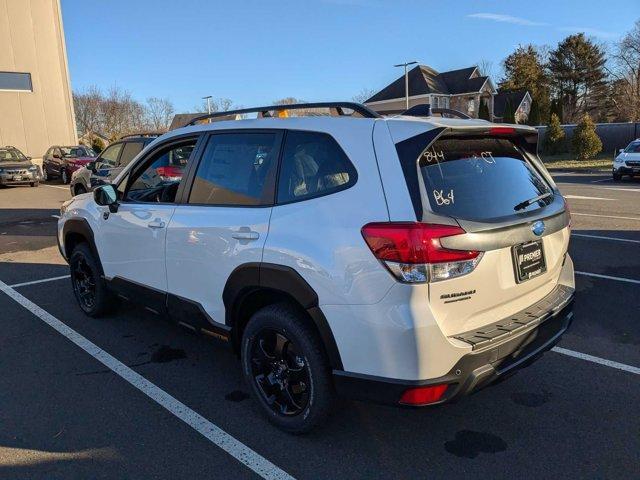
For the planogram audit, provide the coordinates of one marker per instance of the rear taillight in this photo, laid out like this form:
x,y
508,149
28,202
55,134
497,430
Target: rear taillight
x,y
169,172
423,395
413,254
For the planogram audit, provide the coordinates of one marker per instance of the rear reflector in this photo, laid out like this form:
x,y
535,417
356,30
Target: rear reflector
x,y
423,395
412,251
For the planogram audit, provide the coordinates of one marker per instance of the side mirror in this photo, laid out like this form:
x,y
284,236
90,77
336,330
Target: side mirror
x,y
91,166
106,196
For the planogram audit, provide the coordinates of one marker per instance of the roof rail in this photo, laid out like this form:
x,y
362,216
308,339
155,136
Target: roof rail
x,y
146,134
264,111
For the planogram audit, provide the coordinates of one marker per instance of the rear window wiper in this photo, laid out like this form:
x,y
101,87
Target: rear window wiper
x,y
526,203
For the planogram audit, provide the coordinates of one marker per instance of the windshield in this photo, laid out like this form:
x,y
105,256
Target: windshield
x,y
477,179
634,147
11,155
74,152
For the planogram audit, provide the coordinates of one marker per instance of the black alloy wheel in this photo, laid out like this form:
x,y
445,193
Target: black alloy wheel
x,y
280,372
84,283
89,288
286,368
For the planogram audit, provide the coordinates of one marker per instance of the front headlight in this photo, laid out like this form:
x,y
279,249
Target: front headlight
x,y
617,160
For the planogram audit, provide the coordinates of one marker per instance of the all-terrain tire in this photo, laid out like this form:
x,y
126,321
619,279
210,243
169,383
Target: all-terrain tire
x,y
290,322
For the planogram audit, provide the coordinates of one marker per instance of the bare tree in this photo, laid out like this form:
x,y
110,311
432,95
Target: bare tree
x,y
220,104
159,113
626,76
122,114
88,110
364,95
288,101
485,67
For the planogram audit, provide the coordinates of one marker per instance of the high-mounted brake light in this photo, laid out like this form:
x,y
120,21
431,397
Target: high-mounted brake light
x,y
413,254
423,395
502,131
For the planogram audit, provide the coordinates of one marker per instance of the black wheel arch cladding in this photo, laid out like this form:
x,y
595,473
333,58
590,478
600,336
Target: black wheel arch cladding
x,y
249,278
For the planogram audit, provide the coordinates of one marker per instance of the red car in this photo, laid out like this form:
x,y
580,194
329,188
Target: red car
x,y
61,162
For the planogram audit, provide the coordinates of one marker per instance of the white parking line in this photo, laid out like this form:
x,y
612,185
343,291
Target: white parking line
x,y
580,197
52,279
56,186
601,237
635,190
608,277
211,432
602,180
603,216
601,361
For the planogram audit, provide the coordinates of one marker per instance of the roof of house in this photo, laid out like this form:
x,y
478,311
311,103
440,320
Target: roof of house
x,y
502,98
424,80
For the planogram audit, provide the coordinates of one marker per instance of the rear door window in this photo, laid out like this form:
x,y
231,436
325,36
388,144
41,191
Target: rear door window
x,y
476,178
313,164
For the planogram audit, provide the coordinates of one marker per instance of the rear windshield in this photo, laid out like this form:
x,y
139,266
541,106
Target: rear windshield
x,y
475,178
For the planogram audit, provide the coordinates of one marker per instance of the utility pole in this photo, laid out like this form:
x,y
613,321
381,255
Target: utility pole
x,y
406,81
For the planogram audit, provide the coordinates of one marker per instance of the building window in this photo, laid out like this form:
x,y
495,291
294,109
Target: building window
x,y
446,102
434,102
16,81
471,106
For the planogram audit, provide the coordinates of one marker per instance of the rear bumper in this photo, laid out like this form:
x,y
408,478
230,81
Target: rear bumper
x,y
473,371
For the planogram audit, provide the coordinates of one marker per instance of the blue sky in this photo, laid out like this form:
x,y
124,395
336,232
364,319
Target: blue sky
x,y
257,51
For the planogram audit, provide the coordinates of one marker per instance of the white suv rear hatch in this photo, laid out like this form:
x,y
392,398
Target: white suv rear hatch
x,y
511,213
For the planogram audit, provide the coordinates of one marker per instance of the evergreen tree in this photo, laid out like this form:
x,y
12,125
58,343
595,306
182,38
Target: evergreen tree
x,y
483,110
554,137
578,77
534,114
509,115
556,108
586,143
524,69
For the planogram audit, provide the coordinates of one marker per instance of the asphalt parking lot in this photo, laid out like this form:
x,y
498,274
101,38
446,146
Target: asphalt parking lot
x,y
132,396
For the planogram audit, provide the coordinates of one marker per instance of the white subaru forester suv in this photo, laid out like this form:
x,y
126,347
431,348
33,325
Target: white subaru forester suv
x,y
404,260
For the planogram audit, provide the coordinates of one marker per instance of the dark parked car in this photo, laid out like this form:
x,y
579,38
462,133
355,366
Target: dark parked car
x,y
109,163
61,162
16,168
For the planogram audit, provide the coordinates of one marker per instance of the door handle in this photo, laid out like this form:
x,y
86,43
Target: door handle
x,y
156,224
245,234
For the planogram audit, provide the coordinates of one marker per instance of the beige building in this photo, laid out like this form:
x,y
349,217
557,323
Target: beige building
x,y
36,106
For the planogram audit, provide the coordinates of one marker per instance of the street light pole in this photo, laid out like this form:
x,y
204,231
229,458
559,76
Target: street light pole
x,y
406,81
208,99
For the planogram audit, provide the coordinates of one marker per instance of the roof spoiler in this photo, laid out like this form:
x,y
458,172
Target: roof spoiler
x,y
265,112
425,110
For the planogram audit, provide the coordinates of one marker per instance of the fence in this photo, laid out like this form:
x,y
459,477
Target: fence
x,y
614,136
